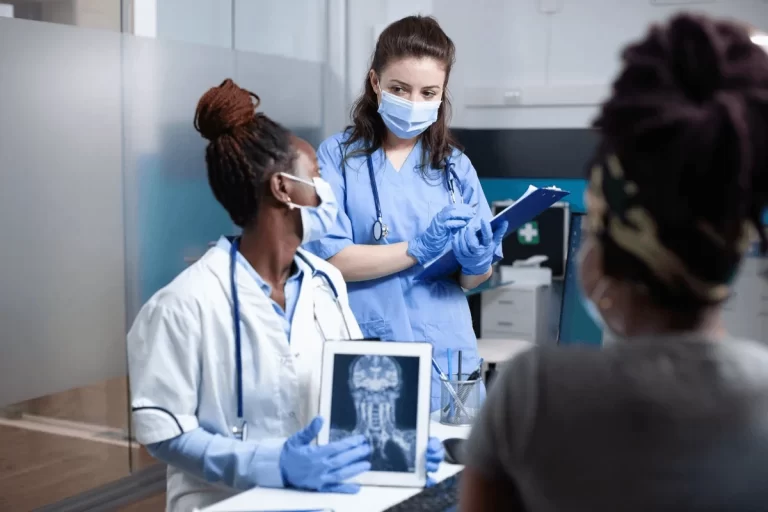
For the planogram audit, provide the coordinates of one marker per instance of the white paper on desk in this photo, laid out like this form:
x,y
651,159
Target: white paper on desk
x,y
290,500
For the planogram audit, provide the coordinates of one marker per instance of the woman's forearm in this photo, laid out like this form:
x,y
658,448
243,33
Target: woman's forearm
x,y
365,262
471,282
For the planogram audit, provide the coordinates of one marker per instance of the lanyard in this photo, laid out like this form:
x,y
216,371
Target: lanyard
x,y
236,321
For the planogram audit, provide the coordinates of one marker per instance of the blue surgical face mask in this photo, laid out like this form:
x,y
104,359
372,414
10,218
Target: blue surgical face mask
x,y
407,119
316,221
589,304
609,335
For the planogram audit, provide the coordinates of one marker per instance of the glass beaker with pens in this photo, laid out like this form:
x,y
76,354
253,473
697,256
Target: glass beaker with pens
x,y
460,392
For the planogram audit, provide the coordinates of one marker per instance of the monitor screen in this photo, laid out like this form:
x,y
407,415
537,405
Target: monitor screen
x,y
544,235
576,326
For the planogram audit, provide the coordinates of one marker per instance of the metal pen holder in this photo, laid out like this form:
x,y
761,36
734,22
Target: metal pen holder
x,y
460,399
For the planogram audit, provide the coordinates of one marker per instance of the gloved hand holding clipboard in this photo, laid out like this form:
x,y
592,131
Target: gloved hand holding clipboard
x,y
532,203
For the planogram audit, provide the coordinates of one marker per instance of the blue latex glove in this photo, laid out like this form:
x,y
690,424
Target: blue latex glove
x,y
437,236
435,455
323,468
475,245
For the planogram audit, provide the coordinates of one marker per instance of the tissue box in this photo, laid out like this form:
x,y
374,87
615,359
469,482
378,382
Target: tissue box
x,y
527,275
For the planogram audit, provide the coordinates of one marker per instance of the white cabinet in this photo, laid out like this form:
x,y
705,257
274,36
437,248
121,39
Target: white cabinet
x,y
745,314
516,311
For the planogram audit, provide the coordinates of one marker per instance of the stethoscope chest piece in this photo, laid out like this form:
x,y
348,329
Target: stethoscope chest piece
x,y
240,433
380,230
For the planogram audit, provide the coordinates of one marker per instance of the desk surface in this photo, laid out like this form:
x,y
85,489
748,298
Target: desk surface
x,y
499,350
369,499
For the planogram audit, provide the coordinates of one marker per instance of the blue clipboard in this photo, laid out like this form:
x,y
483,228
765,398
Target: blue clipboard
x,y
532,203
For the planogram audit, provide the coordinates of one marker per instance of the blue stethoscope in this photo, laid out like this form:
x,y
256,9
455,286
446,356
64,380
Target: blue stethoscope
x,y
240,430
381,230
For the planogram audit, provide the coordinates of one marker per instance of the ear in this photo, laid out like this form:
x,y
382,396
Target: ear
x,y
374,82
280,187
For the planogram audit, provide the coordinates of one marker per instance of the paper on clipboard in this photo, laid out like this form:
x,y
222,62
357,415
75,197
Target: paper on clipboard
x,y
534,201
531,190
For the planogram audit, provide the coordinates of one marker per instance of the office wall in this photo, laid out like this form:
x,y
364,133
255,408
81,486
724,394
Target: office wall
x,y
207,22
289,28
98,14
307,30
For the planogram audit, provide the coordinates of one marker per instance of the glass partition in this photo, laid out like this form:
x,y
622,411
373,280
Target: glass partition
x,y
104,199
62,294
99,14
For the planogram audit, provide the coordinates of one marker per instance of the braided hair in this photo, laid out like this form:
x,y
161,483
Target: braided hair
x,y
680,180
245,148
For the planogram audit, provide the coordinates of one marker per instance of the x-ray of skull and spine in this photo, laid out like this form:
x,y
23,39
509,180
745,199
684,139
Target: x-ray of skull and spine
x,y
378,400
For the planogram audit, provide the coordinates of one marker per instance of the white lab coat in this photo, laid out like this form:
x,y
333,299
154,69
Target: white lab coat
x,y
181,355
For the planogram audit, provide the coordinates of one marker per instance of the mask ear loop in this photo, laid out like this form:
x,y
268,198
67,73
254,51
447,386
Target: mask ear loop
x,y
602,302
291,205
605,304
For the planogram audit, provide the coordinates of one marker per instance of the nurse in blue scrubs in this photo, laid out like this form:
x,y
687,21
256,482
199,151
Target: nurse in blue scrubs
x,y
406,194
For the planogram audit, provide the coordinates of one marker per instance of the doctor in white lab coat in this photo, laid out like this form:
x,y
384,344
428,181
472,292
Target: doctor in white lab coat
x,y
224,362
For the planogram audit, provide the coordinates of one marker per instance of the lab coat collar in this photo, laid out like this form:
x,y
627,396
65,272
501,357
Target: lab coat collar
x,y
225,243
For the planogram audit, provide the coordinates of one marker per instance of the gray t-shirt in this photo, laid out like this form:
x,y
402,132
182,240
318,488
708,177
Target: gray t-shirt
x,y
673,424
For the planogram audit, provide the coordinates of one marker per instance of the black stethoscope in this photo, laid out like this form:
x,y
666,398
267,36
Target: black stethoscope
x,y
240,430
381,230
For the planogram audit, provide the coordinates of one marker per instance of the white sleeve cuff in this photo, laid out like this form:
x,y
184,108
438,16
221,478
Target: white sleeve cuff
x,y
266,463
154,424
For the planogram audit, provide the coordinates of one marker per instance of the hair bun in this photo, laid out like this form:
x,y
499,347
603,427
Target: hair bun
x,y
225,108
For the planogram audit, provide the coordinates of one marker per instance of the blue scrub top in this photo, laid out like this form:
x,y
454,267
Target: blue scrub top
x,y
396,307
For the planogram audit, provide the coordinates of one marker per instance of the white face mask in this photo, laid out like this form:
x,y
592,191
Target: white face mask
x,y
405,118
316,221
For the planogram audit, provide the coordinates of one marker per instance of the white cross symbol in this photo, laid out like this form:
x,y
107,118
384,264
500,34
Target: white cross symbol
x,y
529,232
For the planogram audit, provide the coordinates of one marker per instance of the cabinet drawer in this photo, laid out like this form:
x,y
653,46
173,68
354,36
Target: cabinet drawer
x,y
508,323
504,335
513,302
